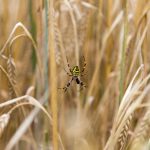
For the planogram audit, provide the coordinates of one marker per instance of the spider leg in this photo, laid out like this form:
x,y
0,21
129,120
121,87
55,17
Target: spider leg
x,y
68,64
67,72
83,65
68,84
78,81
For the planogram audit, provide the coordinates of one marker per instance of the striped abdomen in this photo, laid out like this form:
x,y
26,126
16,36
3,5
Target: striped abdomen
x,y
76,71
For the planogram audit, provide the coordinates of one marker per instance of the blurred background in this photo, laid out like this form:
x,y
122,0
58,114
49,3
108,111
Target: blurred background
x,y
37,41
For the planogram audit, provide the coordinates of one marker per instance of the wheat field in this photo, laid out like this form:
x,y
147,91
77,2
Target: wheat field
x,y
106,107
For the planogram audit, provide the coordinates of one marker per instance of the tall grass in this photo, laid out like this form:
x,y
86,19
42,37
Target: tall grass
x,y
38,39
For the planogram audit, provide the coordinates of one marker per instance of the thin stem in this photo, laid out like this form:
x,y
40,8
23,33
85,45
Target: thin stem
x,y
53,75
123,57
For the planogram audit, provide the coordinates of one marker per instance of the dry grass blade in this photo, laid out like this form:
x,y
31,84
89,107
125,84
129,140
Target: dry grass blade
x,y
138,48
19,24
4,119
30,99
125,98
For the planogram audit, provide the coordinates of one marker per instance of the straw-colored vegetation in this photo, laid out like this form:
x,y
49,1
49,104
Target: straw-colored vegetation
x,y
38,38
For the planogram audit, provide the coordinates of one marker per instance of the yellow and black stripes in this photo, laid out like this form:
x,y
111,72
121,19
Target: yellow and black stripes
x,y
75,71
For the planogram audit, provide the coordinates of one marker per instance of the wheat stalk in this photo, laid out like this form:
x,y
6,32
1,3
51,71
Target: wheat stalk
x,y
52,74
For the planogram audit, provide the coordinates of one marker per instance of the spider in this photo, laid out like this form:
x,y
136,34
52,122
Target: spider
x,y
75,73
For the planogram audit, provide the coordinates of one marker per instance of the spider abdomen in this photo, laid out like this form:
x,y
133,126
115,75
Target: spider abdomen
x,y
76,71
